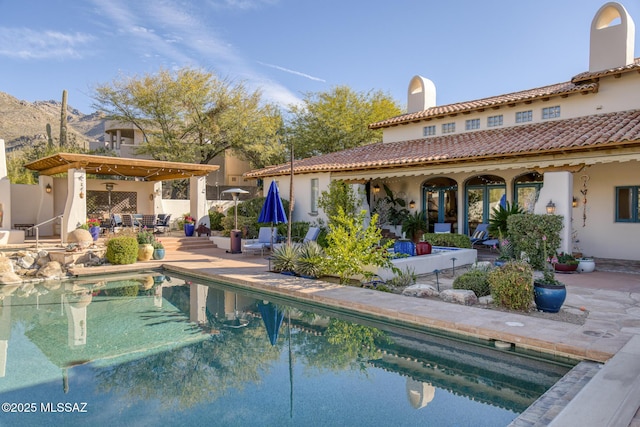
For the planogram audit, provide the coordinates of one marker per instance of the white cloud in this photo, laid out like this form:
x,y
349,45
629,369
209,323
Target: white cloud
x,y
25,43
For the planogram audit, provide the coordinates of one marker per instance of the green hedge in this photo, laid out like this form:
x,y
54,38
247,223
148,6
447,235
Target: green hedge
x,y
450,240
122,250
475,280
526,232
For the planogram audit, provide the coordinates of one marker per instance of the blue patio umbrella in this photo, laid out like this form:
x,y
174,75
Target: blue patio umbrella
x,y
272,318
273,210
503,201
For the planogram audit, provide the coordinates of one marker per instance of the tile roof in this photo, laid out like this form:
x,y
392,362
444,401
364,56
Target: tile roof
x,y
558,89
551,137
594,75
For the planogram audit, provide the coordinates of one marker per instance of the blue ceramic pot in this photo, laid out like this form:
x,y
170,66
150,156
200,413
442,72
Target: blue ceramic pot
x,y
404,247
188,229
549,298
95,232
158,253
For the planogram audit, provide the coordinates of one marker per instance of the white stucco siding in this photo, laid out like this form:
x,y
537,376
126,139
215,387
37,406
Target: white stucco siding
x,y
613,95
602,236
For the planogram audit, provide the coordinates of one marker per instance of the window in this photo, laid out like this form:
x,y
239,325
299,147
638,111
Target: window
x,y
448,128
524,116
627,204
472,124
315,191
551,112
429,130
494,121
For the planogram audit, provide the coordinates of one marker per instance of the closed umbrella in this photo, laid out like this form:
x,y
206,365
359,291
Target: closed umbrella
x,y
272,318
273,210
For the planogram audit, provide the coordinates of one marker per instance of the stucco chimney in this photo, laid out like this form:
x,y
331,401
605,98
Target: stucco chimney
x,y
421,94
612,38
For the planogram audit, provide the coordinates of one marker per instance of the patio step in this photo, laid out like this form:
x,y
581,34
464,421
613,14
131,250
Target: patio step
x,y
186,243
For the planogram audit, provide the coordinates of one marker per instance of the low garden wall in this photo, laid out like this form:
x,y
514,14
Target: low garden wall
x,y
440,258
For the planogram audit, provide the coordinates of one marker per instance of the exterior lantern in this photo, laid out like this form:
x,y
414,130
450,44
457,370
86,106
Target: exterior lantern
x,y
551,208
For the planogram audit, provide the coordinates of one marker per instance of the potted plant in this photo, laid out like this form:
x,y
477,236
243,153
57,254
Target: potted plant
x,y
145,245
414,225
158,250
586,264
565,263
189,224
548,293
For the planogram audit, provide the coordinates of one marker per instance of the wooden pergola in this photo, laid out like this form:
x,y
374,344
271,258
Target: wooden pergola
x,y
149,170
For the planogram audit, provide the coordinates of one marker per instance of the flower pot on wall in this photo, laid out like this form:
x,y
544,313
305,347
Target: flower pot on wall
x,y
549,298
423,248
188,229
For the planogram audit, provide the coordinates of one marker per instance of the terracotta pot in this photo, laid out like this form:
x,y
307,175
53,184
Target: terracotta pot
x,y
423,248
565,268
145,252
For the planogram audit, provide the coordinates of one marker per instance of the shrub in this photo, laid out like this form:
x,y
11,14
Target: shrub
x,y
122,250
215,219
403,278
512,285
527,232
450,240
475,280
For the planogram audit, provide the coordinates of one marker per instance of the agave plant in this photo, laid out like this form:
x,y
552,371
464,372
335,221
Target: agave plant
x,y
284,258
310,261
499,216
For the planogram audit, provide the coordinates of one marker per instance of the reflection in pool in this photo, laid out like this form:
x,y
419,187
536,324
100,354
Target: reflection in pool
x,y
149,350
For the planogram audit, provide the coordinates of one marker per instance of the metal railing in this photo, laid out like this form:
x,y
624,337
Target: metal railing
x,y
37,228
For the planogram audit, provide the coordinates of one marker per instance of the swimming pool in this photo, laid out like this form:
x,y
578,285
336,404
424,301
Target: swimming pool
x,y
152,349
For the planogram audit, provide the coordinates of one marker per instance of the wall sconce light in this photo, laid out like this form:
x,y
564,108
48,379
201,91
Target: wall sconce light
x,y
151,196
376,188
412,204
48,189
81,195
551,207
575,202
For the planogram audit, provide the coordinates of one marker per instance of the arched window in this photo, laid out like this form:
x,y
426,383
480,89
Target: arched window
x,y
483,193
526,190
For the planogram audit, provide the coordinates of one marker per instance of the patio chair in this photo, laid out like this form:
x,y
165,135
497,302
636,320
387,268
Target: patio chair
x,y
265,239
442,227
162,225
116,220
148,221
480,234
127,220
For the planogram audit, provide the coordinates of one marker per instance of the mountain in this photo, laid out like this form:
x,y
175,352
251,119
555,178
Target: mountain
x,y
24,123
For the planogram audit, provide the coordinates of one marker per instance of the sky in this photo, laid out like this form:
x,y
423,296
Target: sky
x,y
289,48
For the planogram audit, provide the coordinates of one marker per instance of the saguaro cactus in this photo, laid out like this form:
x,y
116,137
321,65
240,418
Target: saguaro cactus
x,y
63,120
49,137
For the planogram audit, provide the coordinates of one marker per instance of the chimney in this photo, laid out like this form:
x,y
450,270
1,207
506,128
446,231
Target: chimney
x,y
421,94
612,38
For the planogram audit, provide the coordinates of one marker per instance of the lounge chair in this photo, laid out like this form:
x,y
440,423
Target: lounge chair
x,y
312,235
480,234
442,227
127,220
116,221
265,240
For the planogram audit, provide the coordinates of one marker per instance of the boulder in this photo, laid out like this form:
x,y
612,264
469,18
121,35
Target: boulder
x,y
459,296
26,261
51,270
81,237
420,291
6,266
9,278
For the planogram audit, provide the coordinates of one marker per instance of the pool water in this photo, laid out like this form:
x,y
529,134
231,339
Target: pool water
x,y
151,350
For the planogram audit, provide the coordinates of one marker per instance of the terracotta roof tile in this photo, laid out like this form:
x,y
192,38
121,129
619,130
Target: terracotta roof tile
x,y
510,98
555,136
594,75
